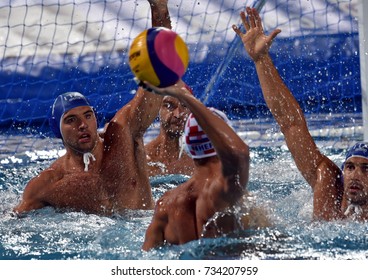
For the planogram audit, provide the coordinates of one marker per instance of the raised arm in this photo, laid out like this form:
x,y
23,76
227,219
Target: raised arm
x,y
141,111
230,148
279,99
319,171
160,13
154,236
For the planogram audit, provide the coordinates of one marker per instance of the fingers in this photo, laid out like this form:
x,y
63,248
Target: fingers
x,y
237,30
174,90
142,84
251,17
145,86
274,34
251,21
245,24
257,19
151,88
244,21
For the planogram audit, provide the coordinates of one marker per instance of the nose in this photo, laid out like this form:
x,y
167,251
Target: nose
x,y
177,112
83,125
181,112
357,172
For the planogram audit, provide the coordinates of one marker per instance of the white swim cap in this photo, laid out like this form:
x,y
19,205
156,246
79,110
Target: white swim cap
x,y
197,143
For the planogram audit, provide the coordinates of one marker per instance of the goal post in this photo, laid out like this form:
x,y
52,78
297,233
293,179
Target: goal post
x,y
363,50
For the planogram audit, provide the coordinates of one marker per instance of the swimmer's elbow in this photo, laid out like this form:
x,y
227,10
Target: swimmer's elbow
x,y
18,211
154,236
17,214
237,157
26,206
151,242
146,247
149,246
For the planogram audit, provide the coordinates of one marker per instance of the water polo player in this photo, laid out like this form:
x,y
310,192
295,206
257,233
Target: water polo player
x,y
164,153
100,176
218,183
337,194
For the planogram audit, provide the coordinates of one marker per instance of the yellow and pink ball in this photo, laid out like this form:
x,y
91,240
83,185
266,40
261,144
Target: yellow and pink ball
x,y
159,56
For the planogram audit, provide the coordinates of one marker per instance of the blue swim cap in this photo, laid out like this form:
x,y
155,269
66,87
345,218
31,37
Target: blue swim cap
x,y
62,104
360,149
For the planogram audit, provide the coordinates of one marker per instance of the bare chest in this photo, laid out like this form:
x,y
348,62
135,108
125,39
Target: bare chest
x,y
80,192
98,194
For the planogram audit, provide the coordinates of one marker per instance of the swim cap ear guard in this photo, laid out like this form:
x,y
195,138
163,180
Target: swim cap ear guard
x,y
62,104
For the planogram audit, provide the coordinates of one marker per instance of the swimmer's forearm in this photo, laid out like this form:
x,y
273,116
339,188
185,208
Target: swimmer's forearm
x,y
140,111
154,236
282,104
160,13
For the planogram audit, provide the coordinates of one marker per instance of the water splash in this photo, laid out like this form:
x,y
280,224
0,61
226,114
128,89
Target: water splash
x,y
275,184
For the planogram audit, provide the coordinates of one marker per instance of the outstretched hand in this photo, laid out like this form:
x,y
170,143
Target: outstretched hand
x,y
174,90
255,42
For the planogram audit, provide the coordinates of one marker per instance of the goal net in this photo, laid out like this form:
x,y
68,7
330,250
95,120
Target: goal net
x,y
55,46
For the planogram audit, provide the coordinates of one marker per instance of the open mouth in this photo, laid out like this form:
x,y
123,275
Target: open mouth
x,y
84,138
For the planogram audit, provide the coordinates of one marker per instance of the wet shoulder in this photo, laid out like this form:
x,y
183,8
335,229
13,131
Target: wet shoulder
x,y
184,194
117,132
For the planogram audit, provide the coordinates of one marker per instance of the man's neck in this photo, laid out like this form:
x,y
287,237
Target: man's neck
x,y
82,159
169,146
357,211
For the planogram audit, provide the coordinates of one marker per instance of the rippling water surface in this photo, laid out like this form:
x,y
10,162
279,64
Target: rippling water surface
x,y
274,181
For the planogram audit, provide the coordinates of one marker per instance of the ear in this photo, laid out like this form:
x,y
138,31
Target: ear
x,y
55,127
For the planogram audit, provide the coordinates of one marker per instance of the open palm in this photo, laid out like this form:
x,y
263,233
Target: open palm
x,y
255,42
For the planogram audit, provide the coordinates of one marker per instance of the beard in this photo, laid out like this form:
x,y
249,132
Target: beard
x,y
81,148
173,130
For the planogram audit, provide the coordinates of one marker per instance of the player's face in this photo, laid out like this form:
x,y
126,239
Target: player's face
x,y
79,129
173,116
356,180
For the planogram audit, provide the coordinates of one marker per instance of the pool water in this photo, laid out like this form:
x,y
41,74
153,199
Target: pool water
x,y
274,182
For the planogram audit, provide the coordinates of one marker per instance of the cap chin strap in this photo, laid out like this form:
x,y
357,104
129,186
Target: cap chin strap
x,y
86,156
353,209
181,145
87,161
